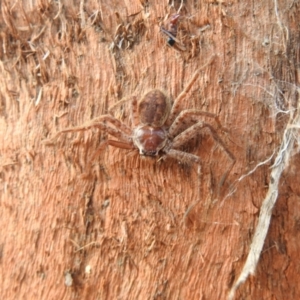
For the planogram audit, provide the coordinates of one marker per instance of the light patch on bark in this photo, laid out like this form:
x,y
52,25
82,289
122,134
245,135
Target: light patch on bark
x,y
281,162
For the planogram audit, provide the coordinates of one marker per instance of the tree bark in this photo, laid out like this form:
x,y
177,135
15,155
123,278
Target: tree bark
x,y
123,226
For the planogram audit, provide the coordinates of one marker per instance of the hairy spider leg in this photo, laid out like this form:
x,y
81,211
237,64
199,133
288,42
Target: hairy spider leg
x,y
134,109
182,156
122,101
104,145
121,130
177,102
135,114
187,116
192,131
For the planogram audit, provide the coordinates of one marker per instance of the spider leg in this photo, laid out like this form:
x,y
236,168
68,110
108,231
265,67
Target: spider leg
x,y
135,114
177,101
108,124
122,101
121,130
135,117
182,156
117,144
102,146
192,115
192,131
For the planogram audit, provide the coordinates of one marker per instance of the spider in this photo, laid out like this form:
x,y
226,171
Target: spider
x,y
159,128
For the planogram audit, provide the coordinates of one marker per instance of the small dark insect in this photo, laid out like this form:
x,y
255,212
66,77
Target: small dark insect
x,y
159,128
171,33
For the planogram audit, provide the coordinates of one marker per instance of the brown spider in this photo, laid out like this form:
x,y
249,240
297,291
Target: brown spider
x,y
158,127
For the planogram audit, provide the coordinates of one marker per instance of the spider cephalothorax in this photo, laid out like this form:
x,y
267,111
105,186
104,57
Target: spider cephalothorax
x,y
149,140
158,128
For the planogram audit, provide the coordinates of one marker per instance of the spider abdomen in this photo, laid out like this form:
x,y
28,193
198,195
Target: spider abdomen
x,y
149,140
154,108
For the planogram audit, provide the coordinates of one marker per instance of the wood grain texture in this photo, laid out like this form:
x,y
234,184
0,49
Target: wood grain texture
x,y
135,228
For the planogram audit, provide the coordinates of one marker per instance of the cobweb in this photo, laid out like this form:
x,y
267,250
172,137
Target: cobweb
x,y
282,98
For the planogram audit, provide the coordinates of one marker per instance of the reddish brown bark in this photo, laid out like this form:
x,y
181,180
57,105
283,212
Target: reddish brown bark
x,y
136,228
